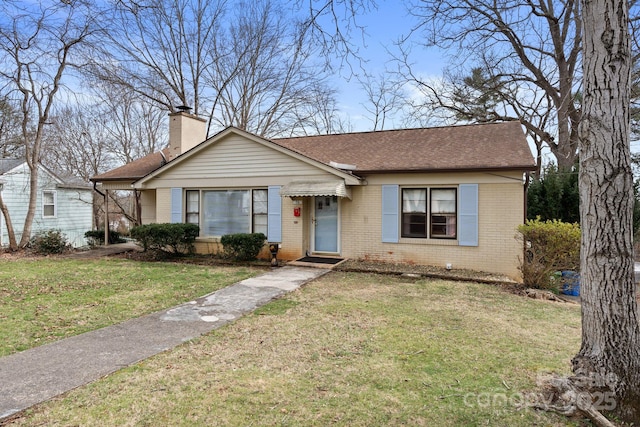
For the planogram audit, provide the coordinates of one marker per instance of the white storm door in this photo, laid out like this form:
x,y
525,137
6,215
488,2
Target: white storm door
x,y
325,224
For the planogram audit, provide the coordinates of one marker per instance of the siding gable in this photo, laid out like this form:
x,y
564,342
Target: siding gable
x,y
237,157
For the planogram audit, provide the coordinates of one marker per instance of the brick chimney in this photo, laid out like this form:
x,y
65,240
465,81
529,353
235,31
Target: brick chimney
x,y
185,131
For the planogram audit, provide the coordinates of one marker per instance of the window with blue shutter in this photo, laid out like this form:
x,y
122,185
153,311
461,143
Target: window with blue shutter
x,y
468,215
390,219
274,215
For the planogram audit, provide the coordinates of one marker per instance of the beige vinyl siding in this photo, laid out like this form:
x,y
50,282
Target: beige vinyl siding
x,y
236,161
148,206
163,205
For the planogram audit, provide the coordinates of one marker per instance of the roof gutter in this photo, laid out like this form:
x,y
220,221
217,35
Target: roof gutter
x,y
449,170
95,183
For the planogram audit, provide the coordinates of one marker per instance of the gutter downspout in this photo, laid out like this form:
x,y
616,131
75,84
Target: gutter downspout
x,y
106,212
526,192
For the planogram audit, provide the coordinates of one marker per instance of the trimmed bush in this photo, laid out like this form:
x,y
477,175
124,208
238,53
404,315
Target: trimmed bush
x,y
170,239
49,242
96,237
242,246
549,246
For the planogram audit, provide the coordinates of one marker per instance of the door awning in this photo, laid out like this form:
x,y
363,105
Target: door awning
x,y
315,188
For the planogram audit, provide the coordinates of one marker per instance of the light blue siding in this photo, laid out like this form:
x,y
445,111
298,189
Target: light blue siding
x,y
74,207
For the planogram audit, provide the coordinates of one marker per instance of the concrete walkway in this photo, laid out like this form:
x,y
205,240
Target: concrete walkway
x,y
36,375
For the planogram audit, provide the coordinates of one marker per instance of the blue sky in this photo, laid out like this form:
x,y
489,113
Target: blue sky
x,y
383,27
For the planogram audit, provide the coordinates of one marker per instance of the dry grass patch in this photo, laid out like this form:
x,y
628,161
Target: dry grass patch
x,y
348,349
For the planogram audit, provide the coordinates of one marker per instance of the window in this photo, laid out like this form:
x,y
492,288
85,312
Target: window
x,y
414,212
232,211
443,213
193,207
49,204
436,219
260,211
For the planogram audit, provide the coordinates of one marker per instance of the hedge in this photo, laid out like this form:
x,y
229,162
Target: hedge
x,y
242,246
175,238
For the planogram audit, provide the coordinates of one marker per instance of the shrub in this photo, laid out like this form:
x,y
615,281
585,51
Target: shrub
x,y
167,238
549,246
49,242
242,246
96,237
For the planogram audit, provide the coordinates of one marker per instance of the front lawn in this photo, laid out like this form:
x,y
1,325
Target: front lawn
x,y
45,299
349,349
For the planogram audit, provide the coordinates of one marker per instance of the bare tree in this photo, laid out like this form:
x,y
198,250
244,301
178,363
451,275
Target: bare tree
x,y
333,26
10,141
36,49
320,115
160,49
78,142
609,358
264,73
384,97
89,139
78,146
531,48
134,127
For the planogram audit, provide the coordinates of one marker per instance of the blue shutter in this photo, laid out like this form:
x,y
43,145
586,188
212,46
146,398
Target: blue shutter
x,y
176,205
390,220
274,214
468,215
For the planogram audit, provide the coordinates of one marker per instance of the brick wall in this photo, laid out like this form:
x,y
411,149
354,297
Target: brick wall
x,y
501,210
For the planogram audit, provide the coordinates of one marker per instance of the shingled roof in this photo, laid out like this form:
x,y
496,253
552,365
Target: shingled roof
x,y
136,169
453,148
7,164
494,146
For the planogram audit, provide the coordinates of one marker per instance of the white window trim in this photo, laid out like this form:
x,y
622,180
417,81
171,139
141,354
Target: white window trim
x,y
55,204
430,237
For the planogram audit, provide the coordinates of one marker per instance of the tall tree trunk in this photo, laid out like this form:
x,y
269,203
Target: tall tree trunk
x,y
609,360
31,211
13,245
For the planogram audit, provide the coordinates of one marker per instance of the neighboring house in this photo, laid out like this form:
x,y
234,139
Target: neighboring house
x,y
63,203
440,196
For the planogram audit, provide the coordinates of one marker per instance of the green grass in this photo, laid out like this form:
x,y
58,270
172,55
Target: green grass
x,y
47,299
348,349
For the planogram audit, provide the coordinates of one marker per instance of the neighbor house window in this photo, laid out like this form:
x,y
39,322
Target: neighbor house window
x,y
233,211
429,213
193,207
49,204
443,212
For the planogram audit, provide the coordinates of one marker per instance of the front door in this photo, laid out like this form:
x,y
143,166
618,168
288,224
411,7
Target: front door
x,y
325,224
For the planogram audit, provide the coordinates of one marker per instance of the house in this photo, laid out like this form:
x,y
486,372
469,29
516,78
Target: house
x,y
448,196
63,203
